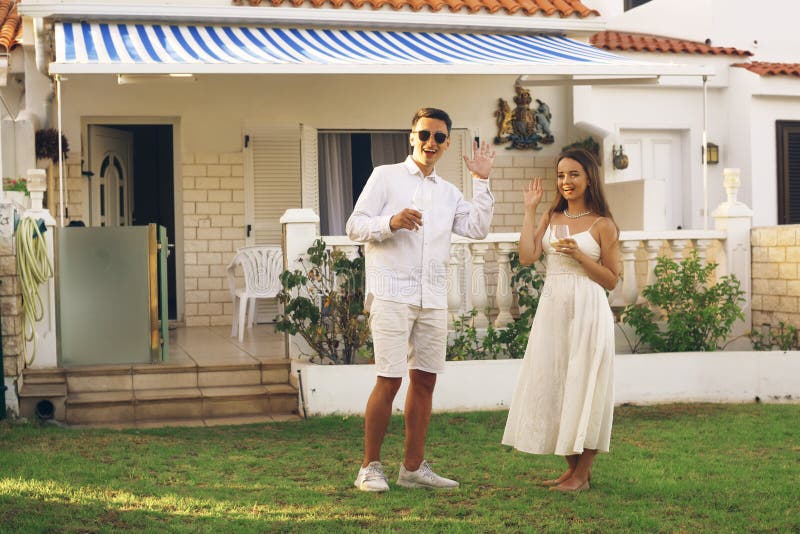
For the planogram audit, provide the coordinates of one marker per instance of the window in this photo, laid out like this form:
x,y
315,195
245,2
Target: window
x,y
788,148
630,4
346,160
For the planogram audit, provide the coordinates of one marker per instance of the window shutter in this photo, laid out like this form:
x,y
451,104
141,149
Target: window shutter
x,y
788,144
272,181
272,185
793,175
310,167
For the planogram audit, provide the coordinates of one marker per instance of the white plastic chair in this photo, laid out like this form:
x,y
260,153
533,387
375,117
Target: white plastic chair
x,y
261,266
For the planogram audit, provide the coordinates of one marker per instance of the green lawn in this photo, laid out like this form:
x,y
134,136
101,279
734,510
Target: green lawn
x,y
674,468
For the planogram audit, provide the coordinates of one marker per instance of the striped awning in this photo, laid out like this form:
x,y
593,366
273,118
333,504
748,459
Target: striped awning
x,y
151,48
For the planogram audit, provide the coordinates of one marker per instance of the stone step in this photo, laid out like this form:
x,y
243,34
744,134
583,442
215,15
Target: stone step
x,y
151,376
44,376
43,390
189,403
211,421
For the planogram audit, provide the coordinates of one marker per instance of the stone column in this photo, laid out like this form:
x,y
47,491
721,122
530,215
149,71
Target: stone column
x,y
736,219
299,231
46,350
477,286
504,297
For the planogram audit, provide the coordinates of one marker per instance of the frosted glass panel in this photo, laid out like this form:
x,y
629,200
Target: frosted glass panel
x,y
103,295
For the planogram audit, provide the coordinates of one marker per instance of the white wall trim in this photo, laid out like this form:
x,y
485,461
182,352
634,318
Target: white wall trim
x,y
639,379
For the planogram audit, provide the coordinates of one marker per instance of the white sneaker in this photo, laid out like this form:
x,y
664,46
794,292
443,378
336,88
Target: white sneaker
x,y
424,477
371,478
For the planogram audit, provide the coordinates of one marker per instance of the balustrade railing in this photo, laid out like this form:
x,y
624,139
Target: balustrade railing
x,y
479,271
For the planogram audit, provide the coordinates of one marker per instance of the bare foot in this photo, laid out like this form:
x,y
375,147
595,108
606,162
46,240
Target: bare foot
x,y
571,485
562,478
559,480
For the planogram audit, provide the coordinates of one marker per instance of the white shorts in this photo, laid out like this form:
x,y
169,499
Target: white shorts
x,y
407,337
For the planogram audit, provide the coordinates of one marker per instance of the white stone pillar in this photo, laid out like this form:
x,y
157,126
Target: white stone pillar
x,y
46,349
678,246
299,231
477,286
702,246
504,296
630,286
736,219
653,247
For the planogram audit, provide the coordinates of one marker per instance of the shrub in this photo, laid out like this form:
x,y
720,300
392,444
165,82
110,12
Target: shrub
x,y
684,311
783,338
323,302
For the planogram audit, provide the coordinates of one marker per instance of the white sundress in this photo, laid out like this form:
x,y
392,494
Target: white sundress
x,y
564,399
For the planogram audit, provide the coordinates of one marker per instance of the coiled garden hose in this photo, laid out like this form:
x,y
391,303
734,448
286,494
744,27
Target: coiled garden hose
x,y
33,269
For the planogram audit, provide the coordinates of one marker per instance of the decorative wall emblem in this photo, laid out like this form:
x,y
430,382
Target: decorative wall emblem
x,y
523,127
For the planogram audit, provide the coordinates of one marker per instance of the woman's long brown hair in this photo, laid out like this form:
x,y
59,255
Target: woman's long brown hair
x,y
594,196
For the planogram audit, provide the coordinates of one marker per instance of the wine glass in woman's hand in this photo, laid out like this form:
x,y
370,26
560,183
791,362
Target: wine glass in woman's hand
x,y
557,233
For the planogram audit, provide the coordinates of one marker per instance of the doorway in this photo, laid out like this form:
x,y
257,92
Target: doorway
x,y
132,182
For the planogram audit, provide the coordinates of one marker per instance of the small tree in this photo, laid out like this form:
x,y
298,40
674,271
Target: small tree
x,y
323,302
684,311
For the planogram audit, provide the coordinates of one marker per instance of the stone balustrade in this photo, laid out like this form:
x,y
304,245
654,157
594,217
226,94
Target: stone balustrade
x,y
471,273
479,271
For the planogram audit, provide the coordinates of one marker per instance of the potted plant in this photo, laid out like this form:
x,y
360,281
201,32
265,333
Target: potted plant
x,y
47,144
16,189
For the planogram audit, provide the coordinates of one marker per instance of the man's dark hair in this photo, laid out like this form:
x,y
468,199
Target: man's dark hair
x,y
432,113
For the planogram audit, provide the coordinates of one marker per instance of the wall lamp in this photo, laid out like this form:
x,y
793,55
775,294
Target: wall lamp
x,y
712,153
619,159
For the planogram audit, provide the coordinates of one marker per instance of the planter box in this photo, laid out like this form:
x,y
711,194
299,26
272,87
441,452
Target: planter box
x,y
638,379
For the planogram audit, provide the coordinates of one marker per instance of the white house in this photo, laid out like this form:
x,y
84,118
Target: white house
x,y
212,116
753,107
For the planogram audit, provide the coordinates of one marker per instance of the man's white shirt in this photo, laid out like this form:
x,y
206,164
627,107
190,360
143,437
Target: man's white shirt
x,y
411,266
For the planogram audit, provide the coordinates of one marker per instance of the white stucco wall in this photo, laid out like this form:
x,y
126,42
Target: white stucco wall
x,y
676,108
210,116
766,110
214,109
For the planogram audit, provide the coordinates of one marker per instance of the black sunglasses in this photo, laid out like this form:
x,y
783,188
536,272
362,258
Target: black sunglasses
x,y
424,135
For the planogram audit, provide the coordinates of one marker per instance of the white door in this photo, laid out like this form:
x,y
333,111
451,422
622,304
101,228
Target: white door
x,y
110,154
655,156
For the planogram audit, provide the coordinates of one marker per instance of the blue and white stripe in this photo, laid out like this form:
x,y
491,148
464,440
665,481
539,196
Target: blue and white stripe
x,y
160,48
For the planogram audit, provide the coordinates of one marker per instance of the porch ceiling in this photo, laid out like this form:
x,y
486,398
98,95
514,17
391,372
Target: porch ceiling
x,y
154,48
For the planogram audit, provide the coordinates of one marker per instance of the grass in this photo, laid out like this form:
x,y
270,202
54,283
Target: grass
x,y
672,468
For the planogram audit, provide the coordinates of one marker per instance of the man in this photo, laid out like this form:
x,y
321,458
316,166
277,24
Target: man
x,y
405,215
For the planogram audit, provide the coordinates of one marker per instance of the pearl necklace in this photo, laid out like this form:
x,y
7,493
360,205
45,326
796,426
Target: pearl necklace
x,y
568,215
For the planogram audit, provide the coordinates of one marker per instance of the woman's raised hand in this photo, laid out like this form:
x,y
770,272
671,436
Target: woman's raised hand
x,y
533,193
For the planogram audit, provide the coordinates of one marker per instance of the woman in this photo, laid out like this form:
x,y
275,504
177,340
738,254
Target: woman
x,y
564,400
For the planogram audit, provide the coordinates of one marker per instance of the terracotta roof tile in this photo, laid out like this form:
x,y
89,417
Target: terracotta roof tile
x,y
635,42
10,25
763,68
547,8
